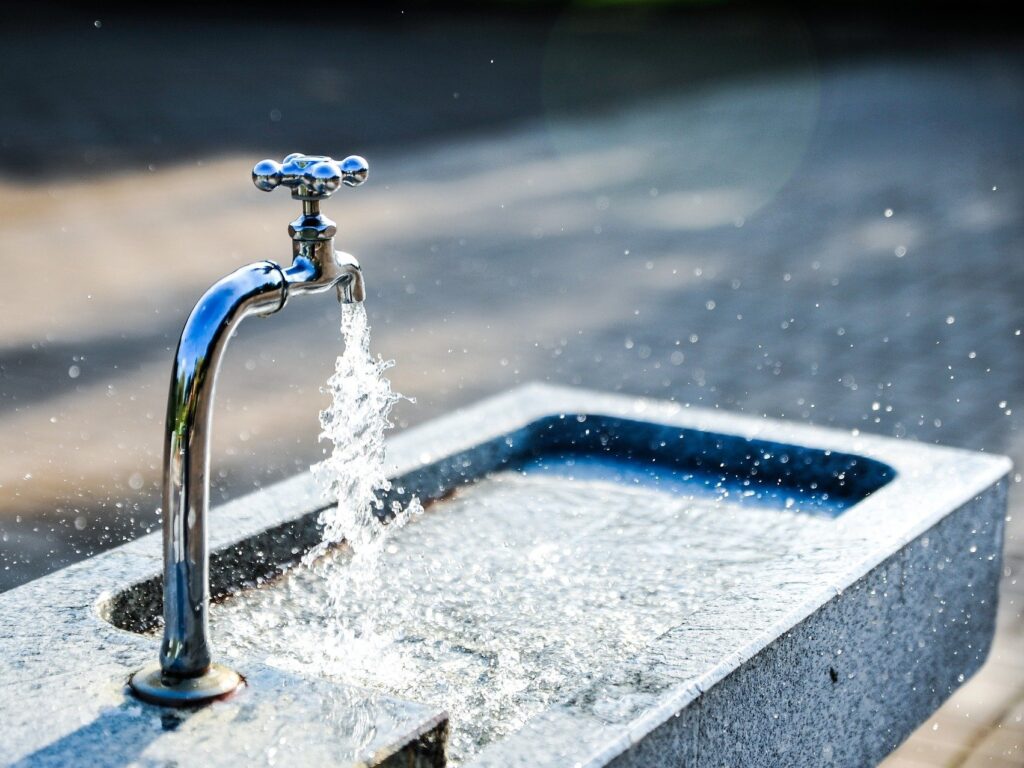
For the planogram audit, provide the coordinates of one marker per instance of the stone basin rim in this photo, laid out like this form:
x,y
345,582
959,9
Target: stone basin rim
x,y
557,400
699,455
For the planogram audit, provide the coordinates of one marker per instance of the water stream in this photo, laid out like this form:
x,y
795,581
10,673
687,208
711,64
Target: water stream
x,y
355,472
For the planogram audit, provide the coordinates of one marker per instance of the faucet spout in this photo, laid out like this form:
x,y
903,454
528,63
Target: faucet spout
x,y
314,270
186,674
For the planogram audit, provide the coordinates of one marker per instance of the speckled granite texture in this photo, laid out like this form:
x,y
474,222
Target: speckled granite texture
x,y
833,662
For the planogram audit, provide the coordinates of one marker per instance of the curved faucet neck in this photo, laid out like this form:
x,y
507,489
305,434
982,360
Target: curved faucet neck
x,y
258,288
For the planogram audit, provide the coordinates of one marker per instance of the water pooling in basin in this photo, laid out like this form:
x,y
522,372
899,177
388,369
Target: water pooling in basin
x,y
523,587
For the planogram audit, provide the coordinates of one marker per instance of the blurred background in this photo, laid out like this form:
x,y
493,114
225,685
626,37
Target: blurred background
x,y
811,212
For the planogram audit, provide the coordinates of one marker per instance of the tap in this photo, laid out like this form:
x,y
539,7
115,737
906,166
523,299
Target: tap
x,y
186,674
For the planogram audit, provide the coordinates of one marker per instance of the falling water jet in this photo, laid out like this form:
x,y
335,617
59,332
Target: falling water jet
x,y
355,474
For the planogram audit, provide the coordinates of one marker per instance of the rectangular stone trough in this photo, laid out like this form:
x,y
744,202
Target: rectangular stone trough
x,y
824,643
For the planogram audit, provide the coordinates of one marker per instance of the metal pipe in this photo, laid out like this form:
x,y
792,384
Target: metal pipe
x,y
254,289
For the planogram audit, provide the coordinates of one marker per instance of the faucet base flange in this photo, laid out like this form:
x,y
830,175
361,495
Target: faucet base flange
x,y
152,686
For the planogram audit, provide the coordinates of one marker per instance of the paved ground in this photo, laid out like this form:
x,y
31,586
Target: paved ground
x,y
835,236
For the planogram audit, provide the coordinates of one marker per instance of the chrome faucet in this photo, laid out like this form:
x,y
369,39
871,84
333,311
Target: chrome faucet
x,y
186,674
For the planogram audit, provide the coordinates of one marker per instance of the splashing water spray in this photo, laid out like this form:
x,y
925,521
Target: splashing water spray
x,y
355,472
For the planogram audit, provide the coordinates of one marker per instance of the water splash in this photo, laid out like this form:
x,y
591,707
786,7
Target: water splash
x,y
532,586
355,473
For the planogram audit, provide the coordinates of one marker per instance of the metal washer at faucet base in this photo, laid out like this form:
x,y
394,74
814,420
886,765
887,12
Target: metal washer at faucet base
x,y
151,685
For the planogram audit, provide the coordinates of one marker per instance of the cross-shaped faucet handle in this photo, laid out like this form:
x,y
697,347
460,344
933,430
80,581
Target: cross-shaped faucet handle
x,y
310,177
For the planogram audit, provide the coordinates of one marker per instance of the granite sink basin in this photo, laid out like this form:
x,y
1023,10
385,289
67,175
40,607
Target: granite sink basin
x,y
596,580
